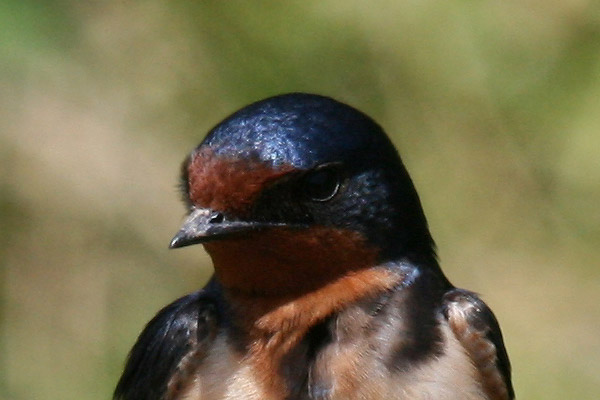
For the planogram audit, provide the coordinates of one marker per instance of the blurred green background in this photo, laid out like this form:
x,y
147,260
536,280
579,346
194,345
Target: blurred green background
x,y
495,107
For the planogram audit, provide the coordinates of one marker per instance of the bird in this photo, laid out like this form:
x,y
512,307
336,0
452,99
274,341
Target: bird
x,y
326,281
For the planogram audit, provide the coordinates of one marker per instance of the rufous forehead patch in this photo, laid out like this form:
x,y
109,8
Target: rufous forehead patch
x,y
228,184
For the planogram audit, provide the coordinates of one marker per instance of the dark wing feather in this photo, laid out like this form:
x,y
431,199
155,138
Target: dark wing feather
x,y
180,330
477,329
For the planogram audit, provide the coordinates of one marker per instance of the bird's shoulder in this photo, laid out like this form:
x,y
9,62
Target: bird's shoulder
x,y
476,328
167,351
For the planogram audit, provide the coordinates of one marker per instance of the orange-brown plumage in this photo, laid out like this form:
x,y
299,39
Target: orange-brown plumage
x,y
290,280
275,325
228,184
288,261
326,283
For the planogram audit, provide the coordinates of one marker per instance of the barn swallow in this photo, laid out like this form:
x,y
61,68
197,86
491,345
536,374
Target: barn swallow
x,y
326,281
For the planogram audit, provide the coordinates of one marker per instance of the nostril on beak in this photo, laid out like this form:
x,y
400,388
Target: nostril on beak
x,y
217,218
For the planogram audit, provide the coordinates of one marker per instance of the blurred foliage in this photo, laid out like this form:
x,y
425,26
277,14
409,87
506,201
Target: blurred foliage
x,y
495,107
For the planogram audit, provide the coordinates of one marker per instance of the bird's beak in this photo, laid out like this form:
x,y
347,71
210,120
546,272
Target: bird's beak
x,y
204,225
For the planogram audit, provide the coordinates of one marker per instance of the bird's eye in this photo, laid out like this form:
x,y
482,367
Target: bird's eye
x,y
321,184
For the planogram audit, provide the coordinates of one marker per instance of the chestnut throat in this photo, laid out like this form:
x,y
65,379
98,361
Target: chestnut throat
x,y
279,283
281,279
287,261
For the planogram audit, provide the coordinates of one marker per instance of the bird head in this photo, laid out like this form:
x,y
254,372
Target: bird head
x,y
299,188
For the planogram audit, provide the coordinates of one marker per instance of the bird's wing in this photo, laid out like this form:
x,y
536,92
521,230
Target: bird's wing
x,y
169,349
477,329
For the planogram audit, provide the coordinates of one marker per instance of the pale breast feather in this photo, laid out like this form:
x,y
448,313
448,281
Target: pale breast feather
x,y
476,328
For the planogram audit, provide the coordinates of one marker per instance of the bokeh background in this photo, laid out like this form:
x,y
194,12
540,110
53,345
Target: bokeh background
x,y
495,107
